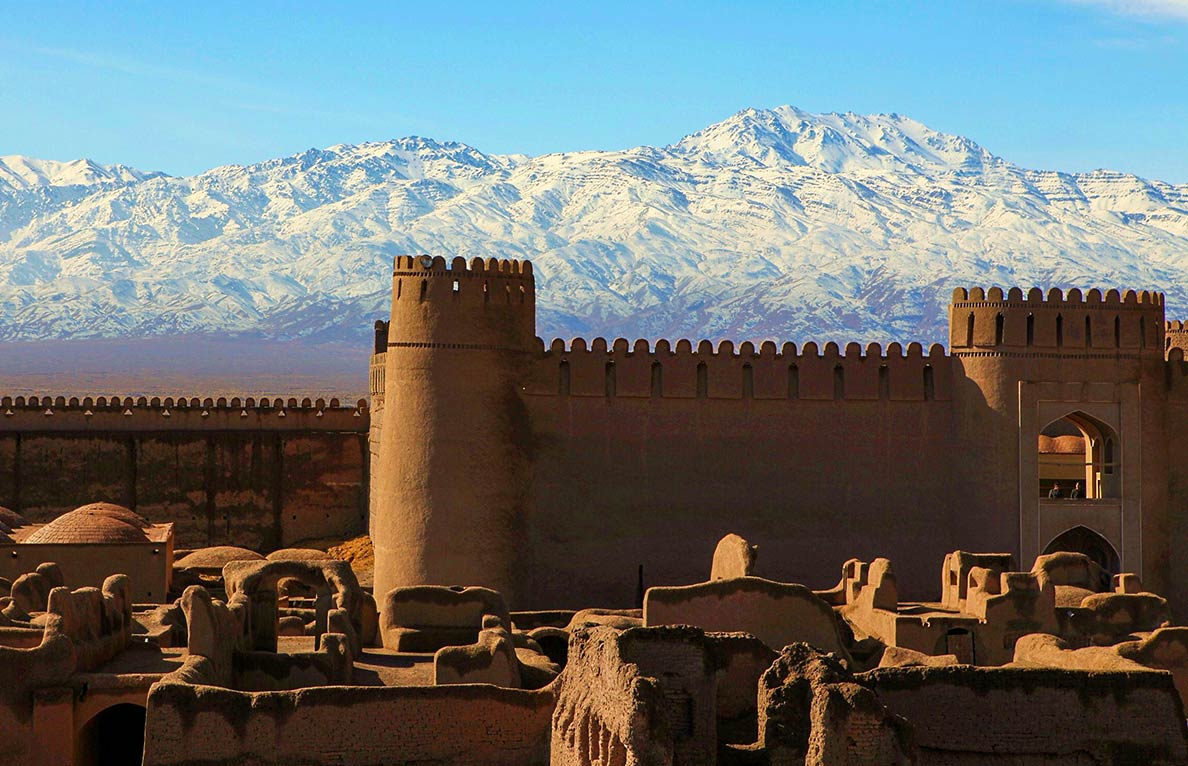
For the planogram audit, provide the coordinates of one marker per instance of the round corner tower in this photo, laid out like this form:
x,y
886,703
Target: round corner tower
x,y
1092,362
452,475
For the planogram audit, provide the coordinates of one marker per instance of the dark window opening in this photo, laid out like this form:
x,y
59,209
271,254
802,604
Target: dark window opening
x,y
929,383
999,328
1117,332
657,380
610,379
748,382
969,330
1059,330
839,382
1088,331
884,382
1031,329
793,382
702,380
563,381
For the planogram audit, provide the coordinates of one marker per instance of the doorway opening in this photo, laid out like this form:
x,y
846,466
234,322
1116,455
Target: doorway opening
x,y
113,737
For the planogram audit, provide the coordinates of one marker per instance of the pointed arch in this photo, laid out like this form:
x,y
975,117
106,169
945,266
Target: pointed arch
x,y
1081,539
1094,462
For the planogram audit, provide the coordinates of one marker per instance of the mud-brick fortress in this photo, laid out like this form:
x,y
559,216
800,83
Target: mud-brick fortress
x,y
564,474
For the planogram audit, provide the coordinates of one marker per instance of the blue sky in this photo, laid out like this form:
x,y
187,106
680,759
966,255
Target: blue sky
x,y
1064,84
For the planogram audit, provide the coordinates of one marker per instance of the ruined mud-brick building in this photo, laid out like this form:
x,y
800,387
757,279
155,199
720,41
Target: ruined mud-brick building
x,y
555,471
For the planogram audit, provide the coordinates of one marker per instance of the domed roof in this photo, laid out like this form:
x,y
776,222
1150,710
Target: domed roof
x,y
209,558
95,523
12,519
299,554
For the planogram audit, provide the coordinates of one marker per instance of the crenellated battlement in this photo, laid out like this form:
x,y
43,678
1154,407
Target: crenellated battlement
x,y
1074,323
126,413
683,371
483,304
421,265
1055,298
1175,336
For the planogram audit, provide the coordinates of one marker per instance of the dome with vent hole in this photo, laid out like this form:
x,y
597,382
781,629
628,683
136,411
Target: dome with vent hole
x,y
94,523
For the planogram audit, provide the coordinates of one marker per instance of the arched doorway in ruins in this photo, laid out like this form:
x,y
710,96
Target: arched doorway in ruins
x,y
1078,449
113,737
1086,541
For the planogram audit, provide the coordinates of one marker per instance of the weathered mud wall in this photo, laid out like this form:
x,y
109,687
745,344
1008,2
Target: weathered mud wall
x,y
239,475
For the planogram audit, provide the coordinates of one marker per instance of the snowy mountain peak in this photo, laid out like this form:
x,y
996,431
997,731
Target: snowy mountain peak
x,y
773,223
20,173
834,143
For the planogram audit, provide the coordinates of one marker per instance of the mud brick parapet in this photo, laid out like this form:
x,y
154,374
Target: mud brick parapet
x,y
1064,323
685,371
116,413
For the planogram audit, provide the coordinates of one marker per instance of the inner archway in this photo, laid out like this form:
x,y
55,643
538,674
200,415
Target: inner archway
x,y
113,737
1086,541
1078,459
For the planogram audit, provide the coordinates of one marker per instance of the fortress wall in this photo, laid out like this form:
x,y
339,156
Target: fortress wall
x,y
256,480
471,725
629,479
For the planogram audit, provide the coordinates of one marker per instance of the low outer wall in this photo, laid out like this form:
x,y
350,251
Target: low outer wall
x,y
476,725
976,716
258,482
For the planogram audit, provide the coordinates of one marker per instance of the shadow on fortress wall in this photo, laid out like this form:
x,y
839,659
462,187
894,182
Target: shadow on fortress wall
x,y
197,365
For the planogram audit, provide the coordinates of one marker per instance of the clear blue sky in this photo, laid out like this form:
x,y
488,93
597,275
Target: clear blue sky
x,y
181,87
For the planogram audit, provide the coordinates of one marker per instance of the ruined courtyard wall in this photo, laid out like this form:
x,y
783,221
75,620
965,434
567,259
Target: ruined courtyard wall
x,y
468,725
649,456
967,715
241,474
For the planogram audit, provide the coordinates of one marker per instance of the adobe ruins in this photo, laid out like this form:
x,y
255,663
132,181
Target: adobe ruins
x,y
596,554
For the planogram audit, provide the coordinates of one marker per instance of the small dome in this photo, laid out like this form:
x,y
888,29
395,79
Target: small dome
x,y
12,519
299,554
215,557
95,523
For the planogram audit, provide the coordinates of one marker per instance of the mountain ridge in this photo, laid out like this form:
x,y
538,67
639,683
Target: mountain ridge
x,y
774,223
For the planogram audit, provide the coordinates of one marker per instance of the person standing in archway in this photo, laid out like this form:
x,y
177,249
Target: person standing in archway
x,y
1076,493
1055,493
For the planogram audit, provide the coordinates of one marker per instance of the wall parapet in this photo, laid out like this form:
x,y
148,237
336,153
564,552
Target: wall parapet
x,y
1056,322
1056,298
126,413
682,370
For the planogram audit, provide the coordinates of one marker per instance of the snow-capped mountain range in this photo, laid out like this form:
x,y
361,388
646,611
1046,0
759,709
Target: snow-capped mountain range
x,y
771,224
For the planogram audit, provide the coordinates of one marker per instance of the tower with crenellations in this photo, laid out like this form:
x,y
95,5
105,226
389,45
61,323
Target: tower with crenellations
x,y
1094,360
450,484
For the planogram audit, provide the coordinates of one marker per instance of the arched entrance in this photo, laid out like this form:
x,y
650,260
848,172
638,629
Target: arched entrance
x,y
113,737
1079,459
1086,541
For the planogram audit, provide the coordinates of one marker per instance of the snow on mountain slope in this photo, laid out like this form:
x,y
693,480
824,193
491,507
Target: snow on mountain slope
x,y
771,224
